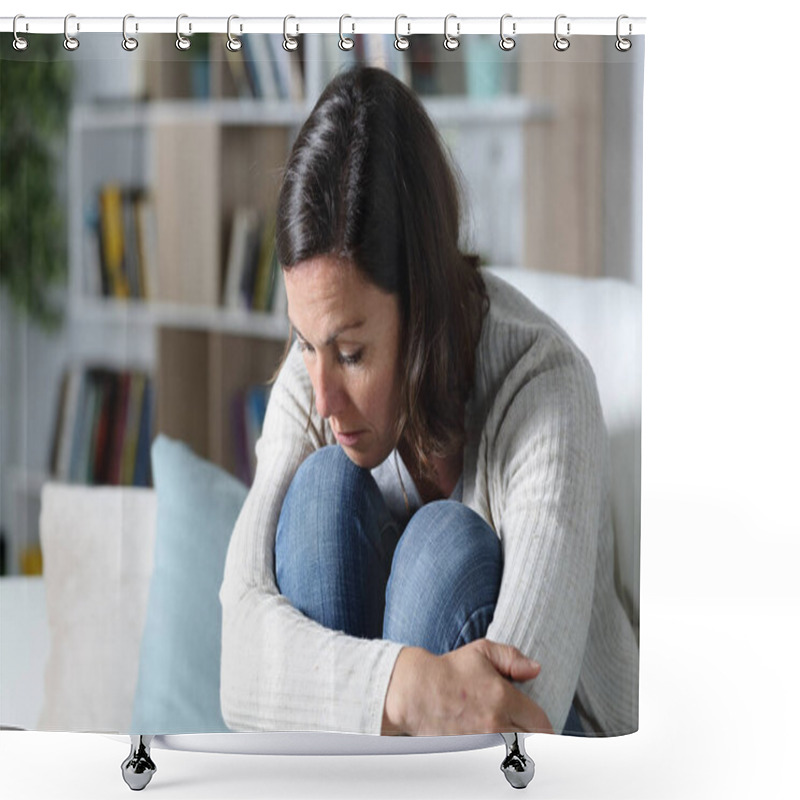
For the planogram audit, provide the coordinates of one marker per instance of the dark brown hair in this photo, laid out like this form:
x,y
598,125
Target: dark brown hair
x,y
369,181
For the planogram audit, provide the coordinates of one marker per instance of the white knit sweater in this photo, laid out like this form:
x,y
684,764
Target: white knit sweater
x,y
535,468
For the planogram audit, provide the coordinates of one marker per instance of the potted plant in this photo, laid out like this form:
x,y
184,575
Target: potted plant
x,y
34,107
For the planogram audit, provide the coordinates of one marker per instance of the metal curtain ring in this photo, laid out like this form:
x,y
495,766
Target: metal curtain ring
x,y
451,42
234,44
561,43
400,42
289,42
20,43
70,42
182,43
346,43
128,42
622,44
506,42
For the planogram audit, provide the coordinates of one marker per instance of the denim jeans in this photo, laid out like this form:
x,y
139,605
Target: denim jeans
x,y
342,560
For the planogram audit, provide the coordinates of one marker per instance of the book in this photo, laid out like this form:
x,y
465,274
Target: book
x,y
265,274
99,457
240,74
91,411
250,268
258,51
146,243
99,422
118,428
142,474
245,221
112,239
239,432
130,252
80,430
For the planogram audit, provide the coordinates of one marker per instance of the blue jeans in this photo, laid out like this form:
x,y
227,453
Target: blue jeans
x,y
341,559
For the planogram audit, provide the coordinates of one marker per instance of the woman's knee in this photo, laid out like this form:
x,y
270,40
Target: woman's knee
x,y
325,485
448,536
333,514
323,491
445,578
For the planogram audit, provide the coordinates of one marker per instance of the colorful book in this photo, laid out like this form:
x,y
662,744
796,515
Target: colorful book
x,y
112,239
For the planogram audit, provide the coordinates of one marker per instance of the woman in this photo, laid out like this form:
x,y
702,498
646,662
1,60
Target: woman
x,y
426,548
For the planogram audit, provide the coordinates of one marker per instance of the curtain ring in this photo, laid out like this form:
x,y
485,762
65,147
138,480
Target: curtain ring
x,y
400,42
561,43
451,42
234,44
182,43
289,42
622,44
346,43
20,42
70,42
128,42
506,42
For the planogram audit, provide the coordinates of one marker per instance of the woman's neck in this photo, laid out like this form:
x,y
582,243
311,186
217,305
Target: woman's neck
x,y
440,485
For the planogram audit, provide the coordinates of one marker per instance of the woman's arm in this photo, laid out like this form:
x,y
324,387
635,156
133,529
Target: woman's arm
x,y
281,670
468,690
547,482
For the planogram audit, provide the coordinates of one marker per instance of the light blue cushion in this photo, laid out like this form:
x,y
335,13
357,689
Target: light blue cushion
x,y
179,661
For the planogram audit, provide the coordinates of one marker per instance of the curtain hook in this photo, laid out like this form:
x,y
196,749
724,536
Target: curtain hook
x,y
561,43
346,43
128,42
622,44
234,44
400,42
182,43
506,42
451,42
289,42
70,42
20,43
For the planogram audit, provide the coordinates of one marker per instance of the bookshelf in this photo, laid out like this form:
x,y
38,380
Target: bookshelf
x,y
201,141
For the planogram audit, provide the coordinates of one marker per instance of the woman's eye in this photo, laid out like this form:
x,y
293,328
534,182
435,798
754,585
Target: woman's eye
x,y
350,359
305,347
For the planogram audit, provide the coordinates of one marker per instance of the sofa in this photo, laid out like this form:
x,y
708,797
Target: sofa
x,y
72,642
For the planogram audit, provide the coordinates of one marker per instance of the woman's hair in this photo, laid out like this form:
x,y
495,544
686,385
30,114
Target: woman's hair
x,y
368,180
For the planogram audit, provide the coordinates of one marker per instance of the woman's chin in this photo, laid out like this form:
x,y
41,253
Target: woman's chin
x,y
366,459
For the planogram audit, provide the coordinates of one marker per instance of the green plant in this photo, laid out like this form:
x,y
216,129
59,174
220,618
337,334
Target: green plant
x,y
34,105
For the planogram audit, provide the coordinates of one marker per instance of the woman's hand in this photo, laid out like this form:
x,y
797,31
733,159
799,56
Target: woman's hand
x,y
468,690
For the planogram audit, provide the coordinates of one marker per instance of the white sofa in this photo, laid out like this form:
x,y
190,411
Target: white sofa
x,y
50,673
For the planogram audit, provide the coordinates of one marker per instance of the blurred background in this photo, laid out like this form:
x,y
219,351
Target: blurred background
x,y
139,289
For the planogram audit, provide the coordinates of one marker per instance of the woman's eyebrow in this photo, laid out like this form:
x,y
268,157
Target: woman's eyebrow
x,y
335,335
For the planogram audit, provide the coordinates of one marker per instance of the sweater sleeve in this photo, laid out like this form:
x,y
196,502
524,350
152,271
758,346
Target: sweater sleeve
x,y
546,469
280,670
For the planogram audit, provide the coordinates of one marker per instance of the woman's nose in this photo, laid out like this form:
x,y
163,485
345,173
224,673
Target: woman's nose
x,y
327,392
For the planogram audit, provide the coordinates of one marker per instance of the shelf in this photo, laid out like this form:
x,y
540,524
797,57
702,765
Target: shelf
x,y
493,111
139,313
449,110
224,112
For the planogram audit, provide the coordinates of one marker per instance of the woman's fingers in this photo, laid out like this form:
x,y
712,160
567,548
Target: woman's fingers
x,y
509,661
468,690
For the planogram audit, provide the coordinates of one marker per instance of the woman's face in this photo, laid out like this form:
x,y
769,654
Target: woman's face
x,y
349,333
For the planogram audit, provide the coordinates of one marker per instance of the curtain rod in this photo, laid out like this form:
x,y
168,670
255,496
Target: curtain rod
x,y
295,25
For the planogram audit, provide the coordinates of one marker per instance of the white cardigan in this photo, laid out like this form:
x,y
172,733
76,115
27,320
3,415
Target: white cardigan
x,y
535,468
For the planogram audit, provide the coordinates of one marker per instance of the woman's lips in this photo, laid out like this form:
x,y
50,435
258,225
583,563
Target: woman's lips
x,y
349,438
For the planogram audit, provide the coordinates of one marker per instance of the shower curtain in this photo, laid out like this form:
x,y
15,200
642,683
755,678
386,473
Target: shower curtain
x,y
157,404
